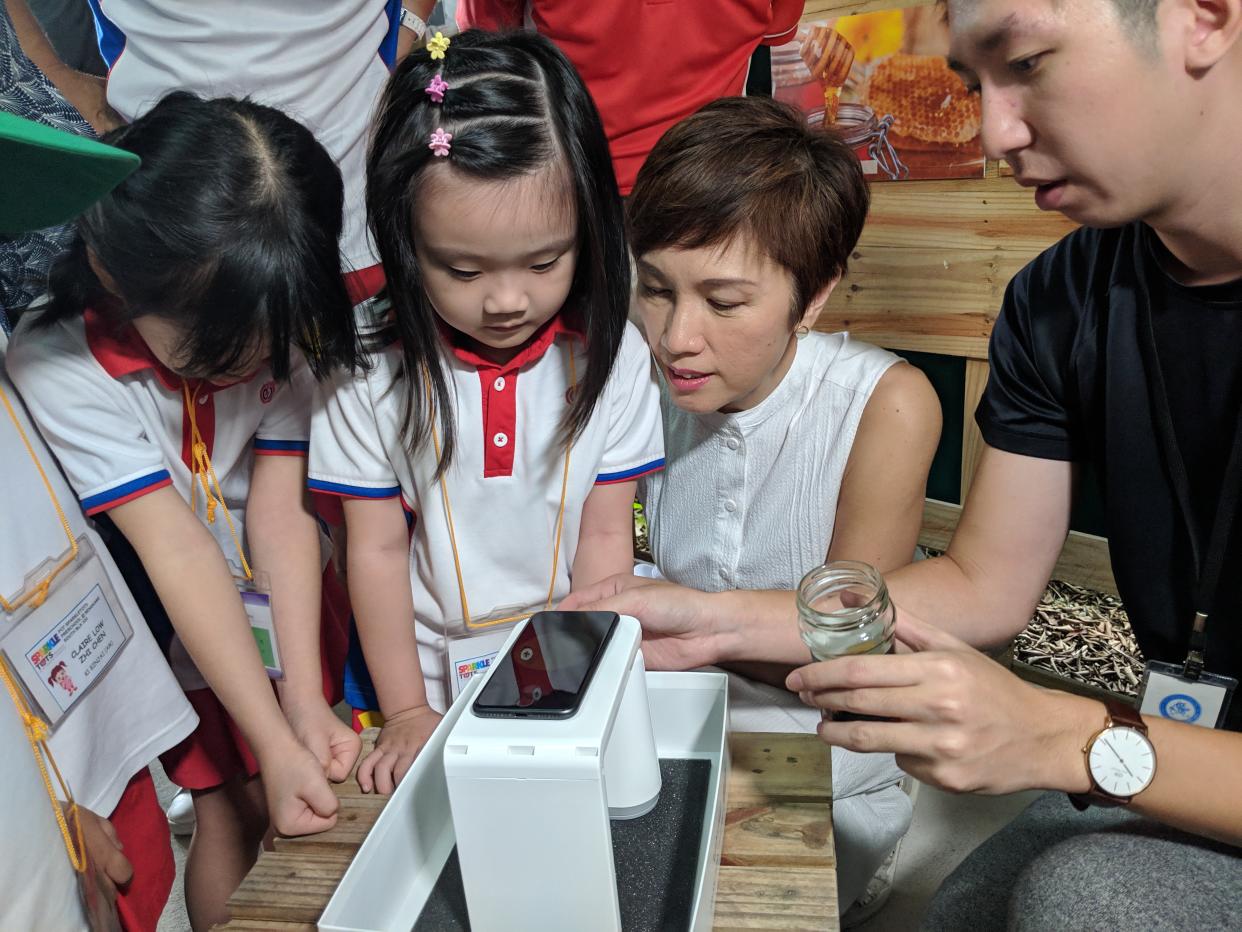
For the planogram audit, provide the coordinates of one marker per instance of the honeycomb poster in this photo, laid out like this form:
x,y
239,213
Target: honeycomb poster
x,y
882,81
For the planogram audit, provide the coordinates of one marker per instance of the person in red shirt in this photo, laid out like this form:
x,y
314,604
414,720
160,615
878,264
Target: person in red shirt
x,y
647,65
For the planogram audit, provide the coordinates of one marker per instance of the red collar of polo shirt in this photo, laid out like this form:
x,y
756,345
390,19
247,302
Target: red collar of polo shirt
x,y
534,348
123,352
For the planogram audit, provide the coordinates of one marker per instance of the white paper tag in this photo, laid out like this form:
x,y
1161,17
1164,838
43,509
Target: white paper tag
x,y
1168,694
471,656
66,645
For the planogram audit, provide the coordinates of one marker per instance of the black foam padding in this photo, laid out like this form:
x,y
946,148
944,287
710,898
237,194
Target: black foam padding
x,y
656,857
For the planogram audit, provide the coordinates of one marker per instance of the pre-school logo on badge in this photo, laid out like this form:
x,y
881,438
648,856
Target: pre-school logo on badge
x,y
268,391
475,665
1181,708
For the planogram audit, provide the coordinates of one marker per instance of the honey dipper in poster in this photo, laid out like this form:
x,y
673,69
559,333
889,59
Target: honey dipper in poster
x,y
829,57
929,103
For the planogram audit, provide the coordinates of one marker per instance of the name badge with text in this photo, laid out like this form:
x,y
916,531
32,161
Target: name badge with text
x,y
63,647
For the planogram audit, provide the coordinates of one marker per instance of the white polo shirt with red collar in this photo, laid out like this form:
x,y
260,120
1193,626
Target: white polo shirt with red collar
x,y
136,711
504,484
117,420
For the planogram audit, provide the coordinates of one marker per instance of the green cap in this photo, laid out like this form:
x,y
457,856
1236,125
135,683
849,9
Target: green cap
x,y
48,176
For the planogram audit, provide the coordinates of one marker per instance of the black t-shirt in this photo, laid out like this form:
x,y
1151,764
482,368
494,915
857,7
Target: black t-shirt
x,y
1067,383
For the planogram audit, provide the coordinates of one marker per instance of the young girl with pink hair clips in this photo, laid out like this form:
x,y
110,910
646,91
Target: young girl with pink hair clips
x,y
488,456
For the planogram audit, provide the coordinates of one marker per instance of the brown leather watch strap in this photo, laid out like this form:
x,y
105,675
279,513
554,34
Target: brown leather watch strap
x,y
1125,715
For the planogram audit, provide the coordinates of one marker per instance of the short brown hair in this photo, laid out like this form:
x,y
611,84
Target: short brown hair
x,y
752,165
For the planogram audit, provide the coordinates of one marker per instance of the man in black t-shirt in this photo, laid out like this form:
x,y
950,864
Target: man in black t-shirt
x,y
1120,347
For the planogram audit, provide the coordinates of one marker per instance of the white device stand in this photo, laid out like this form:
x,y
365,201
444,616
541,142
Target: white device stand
x,y
531,799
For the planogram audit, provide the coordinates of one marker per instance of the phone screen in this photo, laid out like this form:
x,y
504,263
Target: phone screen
x,y
547,670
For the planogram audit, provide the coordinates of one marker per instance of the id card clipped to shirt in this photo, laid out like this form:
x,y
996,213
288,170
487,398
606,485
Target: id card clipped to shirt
x,y
63,645
256,599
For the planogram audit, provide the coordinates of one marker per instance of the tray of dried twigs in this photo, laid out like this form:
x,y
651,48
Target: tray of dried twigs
x,y
1082,635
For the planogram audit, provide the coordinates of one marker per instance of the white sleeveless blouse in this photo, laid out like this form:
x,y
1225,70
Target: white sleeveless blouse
x,y
749,500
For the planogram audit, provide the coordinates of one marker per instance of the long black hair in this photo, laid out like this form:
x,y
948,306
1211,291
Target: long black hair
x,y
514,105
229,229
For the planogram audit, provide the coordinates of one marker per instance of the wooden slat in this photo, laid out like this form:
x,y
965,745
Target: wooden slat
x,y
932,300
769,768
939,522
1084,559
776,898
266,925
354,820
288,887
826,9
972,437
792,834
979,213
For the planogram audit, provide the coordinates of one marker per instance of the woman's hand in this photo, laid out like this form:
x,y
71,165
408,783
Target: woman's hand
x,y
400,740
299,800
959,720
334,744
676,629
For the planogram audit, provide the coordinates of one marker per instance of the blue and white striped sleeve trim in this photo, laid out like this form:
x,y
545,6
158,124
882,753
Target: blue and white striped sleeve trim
x,y
626,475
353,491
126,492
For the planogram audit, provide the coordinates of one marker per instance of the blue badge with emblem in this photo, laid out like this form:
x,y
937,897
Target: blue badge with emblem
x,y
1169,693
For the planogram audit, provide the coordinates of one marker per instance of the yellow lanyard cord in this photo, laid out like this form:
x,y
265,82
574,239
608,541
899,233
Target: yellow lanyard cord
x,y
448,512
203,471
36,734
37,593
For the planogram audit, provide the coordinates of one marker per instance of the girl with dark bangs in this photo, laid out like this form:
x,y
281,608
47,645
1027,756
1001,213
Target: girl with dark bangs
x,y
172,375
509,408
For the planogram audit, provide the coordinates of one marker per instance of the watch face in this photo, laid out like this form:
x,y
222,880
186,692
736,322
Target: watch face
x,y
1122,761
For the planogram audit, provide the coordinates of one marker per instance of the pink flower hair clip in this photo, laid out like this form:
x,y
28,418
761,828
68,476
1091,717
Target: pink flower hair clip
x,y
435,90
440,142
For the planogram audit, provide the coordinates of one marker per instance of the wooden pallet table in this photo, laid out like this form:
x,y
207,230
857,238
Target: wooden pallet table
x,y
778,863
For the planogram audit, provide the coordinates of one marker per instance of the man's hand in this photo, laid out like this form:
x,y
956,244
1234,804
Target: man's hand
x,y
676,629
400,740
960,721
334,744
299,800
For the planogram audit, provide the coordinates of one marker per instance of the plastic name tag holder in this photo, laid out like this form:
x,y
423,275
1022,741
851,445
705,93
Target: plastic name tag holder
x,y
62,645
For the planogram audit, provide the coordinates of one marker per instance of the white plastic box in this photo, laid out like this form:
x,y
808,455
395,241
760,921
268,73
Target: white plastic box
x,y
396,868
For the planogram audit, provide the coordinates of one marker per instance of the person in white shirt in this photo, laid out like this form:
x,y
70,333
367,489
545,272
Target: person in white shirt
x,y
172,375
786,447
127,707
488,458
323,62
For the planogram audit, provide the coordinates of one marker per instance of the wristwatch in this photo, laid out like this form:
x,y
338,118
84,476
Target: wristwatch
x,y
1120,758
413,22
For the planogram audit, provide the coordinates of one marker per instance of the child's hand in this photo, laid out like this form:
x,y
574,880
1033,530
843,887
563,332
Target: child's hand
x,y
299,800
400,740
332,742
109,867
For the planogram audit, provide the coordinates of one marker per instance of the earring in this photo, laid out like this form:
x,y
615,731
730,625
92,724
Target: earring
x,y
802,331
